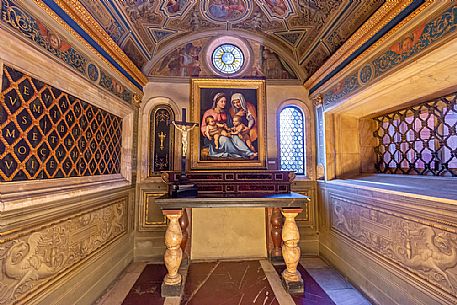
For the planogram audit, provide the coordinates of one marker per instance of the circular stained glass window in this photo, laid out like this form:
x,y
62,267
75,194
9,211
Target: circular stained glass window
x,y
228,58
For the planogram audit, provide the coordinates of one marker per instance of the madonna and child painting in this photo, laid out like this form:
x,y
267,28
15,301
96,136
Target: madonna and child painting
x,y
231,123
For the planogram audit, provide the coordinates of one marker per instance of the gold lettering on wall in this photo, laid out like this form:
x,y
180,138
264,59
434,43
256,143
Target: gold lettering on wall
x,y
22,150
9,164
47,98
11,133
48,130
13,101
26,90
36,108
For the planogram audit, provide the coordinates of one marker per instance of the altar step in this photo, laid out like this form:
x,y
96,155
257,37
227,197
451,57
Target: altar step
x,y
227,283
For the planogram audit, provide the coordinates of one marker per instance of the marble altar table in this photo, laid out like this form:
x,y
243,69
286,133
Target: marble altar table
x,y
291,204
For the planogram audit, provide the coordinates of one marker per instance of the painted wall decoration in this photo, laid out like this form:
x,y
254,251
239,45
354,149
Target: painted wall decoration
x,y
46,133
161,140
311,23
112,25
190,61
270,65
422,37
176,8
185,61
276,8
132,51
23,23
226,10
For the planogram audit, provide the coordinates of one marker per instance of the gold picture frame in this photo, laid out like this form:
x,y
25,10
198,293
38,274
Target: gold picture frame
x,y
233,136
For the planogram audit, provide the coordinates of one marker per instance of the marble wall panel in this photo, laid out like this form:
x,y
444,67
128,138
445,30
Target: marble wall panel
x,y
38,259
413,240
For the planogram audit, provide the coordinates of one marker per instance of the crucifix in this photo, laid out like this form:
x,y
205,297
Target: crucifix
x,y
184,127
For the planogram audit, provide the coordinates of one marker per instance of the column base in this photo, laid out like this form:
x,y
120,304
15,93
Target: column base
x,y
171,290
293,287
184,262
277,260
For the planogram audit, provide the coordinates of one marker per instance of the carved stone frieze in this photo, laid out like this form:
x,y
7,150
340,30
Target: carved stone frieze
x,y
421,247
35,258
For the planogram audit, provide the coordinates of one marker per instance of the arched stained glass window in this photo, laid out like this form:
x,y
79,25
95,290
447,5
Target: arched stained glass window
x,y
292,140
228,58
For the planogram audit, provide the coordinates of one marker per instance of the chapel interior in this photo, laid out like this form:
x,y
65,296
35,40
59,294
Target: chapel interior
x,y
319,135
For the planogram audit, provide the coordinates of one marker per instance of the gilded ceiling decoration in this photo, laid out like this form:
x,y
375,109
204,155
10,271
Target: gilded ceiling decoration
x,y
303,33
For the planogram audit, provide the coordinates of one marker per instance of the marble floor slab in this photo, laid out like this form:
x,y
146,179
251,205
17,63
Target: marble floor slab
x,y
237,283
227,283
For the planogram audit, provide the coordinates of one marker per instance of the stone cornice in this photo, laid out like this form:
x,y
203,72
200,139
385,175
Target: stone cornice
x,y
428,33
369,29
94,31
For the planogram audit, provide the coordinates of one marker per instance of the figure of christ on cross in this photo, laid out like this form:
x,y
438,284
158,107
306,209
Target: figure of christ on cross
x,y
184,127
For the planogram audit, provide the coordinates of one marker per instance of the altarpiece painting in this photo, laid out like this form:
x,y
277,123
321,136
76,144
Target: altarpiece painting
x,y
231,114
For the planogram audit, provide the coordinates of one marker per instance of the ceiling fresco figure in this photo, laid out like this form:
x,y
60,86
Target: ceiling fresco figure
x,y
273,67
182,62
277,8
226,10
188,60
141,9
175,8
311,30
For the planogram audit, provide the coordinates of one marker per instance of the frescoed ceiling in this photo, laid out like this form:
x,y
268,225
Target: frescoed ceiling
x,y
302,33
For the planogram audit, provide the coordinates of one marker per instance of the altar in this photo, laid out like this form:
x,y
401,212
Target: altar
x,y
288,204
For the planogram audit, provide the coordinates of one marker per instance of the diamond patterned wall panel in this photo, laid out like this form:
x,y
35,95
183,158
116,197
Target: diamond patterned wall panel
x,y
47,133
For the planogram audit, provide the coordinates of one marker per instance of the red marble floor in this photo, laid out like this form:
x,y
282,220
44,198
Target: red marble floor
x,y
146,290
314,294
237,283
227,283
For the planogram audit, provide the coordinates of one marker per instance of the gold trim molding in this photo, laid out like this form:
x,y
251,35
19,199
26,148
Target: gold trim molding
x,y
145,223
84,19
375,23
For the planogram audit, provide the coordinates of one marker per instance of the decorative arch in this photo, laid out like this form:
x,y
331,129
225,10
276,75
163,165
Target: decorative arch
x,y
147,134
161,139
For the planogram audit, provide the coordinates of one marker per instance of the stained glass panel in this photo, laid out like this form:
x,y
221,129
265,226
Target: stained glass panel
x,y
292,143
228,58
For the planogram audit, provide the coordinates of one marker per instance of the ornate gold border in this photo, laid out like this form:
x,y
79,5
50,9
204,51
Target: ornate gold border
x,y
83,18
151,146
375,23
144,224
259,85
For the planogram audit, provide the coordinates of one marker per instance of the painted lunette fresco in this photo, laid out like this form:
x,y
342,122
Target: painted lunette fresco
x,y
421,38
189,60
22,22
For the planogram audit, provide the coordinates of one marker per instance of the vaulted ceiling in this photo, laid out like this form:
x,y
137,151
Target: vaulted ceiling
x,y
300,34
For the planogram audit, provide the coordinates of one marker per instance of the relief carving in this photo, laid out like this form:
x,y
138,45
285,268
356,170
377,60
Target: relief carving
x,y
427,251
33,261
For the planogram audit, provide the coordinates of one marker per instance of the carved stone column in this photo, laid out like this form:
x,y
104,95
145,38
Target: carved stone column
x,y
291,278
171,285
276,230
184,224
